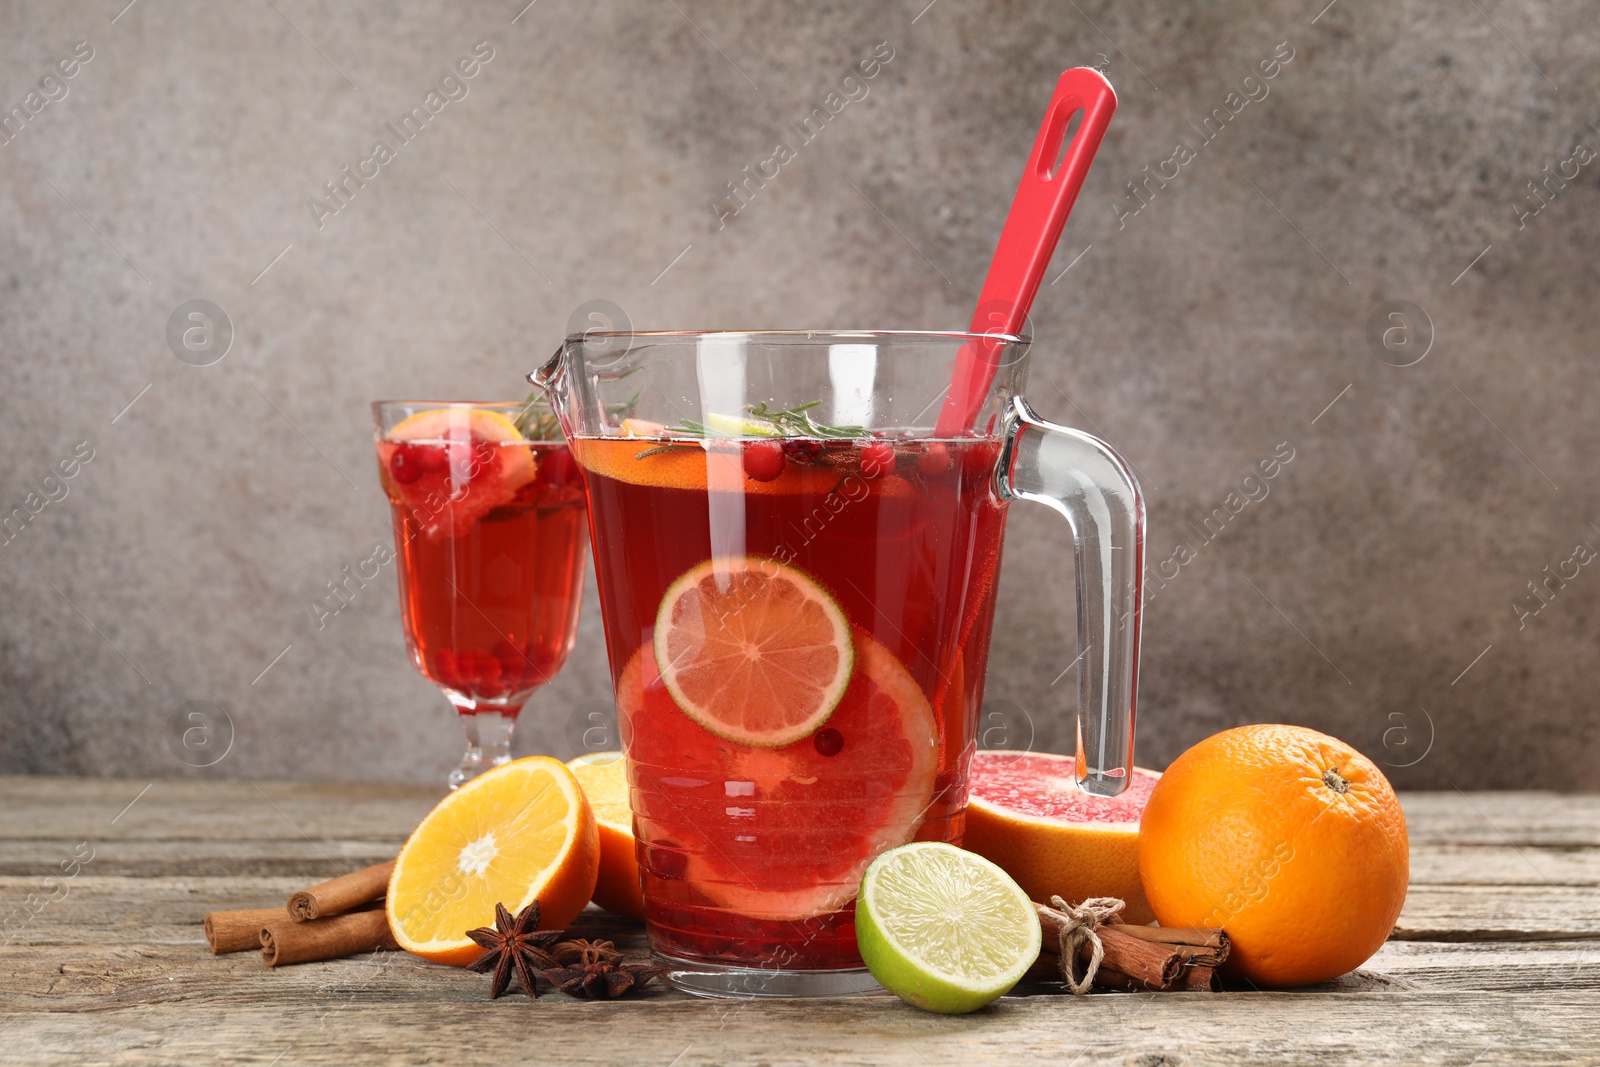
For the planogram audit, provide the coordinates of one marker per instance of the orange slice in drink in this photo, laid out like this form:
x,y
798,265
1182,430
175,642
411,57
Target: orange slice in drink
x,y
604,777
454,465
779,833
521,832
754,650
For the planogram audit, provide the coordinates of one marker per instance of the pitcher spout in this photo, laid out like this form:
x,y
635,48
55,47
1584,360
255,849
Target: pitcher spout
x,y
548,376
551,379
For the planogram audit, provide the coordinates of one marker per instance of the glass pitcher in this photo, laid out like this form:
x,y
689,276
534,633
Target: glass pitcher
x,y
797,578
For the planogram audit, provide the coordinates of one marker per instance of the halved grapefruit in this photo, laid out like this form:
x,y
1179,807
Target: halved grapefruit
x,y
454,465
1027,814
753,650
781,833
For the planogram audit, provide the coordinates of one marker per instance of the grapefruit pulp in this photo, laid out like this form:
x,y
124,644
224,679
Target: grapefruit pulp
x,y
785,832
1027,814
454,465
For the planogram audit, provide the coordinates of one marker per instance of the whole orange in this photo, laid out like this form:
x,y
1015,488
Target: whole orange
x,y
1288,839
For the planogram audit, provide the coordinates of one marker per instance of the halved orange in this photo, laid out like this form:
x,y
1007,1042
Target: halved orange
x,y
604,777
520,832
754,650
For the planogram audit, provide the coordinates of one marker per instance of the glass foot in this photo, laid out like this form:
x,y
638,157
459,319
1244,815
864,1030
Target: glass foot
x,y
746,983
488,743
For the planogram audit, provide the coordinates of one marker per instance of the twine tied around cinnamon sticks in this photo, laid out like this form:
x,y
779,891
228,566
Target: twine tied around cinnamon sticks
x,y
1080,927
1116,955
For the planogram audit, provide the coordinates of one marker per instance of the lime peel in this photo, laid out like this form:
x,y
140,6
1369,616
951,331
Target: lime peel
x,y
719,425
944,929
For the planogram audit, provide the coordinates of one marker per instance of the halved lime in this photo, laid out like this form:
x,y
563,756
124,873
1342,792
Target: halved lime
x,y
944,929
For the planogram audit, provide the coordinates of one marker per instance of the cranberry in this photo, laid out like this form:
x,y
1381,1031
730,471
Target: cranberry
x,y
763,460
828,741
934,460
802,449
978,460
877,458
446,670
488,675
403,465
665,862
430,459
555,466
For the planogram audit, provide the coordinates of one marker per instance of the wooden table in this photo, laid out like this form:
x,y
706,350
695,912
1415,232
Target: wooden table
x,y
1495,959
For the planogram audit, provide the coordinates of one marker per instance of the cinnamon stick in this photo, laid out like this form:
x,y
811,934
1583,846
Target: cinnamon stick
x,y
236,931
1209,947
1189,979
1199,978
1111,978
1143,957
284,941
344,893
1145,964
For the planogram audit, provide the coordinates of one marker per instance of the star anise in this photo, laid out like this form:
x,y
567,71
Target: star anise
x,y
514,944
580,951
597,971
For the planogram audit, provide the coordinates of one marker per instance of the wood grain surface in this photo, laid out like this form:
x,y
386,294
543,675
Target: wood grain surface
x,y
1495,960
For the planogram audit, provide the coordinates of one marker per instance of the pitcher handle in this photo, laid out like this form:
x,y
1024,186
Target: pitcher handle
x,y
1085,480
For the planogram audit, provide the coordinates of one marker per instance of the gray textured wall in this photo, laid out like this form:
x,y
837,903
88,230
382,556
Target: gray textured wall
x,y
1370,593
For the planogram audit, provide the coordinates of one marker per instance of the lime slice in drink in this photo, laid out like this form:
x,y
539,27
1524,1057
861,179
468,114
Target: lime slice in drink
x,y
944,929
754,650
739,426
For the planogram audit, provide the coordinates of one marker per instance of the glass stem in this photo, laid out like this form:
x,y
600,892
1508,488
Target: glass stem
x,y
488,742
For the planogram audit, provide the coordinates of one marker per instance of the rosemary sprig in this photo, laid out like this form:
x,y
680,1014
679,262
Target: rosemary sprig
x,y
623,407
793,421
536,421
798,421
662,450
690,428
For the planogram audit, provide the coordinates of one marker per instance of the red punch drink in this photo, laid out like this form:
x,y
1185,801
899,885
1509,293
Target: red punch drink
x,y
489,532
822,610
797,576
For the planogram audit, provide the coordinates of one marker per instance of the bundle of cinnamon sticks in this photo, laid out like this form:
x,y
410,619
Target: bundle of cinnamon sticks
x,y
343,916
1142,958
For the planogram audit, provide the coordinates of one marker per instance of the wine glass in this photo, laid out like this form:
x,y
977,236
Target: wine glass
x,y
489,528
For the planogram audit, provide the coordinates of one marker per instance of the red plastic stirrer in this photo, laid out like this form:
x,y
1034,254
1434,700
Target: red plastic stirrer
x,y
1038,213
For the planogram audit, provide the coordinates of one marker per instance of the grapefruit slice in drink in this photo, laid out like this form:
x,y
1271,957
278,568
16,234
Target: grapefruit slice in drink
x,y
753,650
454,465
785,832
1027,814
